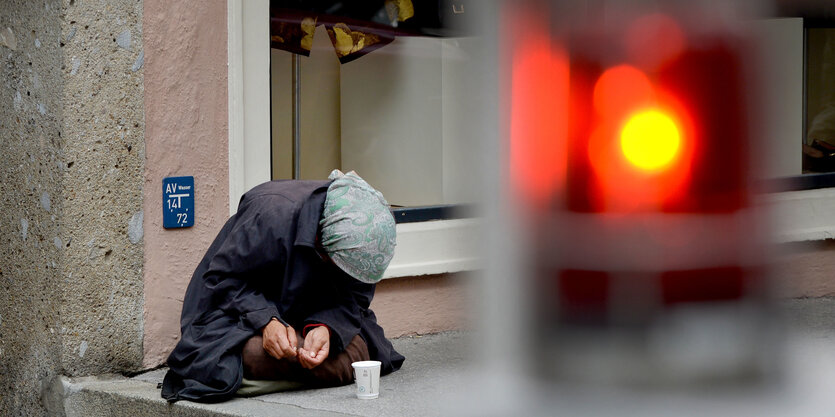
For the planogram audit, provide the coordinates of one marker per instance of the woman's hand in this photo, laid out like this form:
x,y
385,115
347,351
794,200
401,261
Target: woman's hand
x,y
317,345
279,340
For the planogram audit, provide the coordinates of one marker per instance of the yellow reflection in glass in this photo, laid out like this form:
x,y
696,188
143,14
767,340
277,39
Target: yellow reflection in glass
x,y
650,140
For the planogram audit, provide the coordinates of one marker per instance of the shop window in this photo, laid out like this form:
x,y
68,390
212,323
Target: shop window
x,y
819,117
817,91
396,115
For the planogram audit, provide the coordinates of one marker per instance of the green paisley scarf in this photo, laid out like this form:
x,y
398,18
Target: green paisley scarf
x,y
358,230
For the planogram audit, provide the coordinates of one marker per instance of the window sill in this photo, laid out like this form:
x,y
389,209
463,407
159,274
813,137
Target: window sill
x,y
435,247
802,215
447,246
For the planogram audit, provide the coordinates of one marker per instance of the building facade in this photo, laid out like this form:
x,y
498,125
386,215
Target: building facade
x,y
100,100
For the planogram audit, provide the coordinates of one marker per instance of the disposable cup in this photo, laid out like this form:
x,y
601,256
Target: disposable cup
x,y
367,375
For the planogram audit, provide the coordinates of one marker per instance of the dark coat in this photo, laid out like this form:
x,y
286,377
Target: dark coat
x,y
263,264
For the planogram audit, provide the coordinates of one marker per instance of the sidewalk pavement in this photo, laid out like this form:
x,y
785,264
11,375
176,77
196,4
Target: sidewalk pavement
x,y
437,379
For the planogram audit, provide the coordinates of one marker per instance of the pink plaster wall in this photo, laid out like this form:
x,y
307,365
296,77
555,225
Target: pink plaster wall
x,y
422,305
806,270
185,134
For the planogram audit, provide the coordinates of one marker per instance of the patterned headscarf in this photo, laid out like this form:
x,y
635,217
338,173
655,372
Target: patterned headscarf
x,y
357,227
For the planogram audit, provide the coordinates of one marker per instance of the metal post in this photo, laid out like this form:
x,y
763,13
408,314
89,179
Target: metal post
x,y
297,168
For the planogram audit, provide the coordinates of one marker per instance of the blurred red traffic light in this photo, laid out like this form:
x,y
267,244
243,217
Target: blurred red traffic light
x,y
639,145
621,131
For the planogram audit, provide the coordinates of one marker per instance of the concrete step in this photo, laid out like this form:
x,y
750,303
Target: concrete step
x,y
434,364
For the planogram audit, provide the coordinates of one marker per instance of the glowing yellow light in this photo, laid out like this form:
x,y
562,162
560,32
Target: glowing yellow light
x,y
650,140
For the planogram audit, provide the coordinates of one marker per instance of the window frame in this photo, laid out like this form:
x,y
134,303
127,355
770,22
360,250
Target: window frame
x,y
431,239
799,203
817,180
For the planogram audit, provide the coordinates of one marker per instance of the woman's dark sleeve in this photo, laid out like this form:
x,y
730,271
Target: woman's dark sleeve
x,y
350,299
251,253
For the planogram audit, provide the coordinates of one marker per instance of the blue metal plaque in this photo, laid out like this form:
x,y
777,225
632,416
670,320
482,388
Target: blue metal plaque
x,y
177,202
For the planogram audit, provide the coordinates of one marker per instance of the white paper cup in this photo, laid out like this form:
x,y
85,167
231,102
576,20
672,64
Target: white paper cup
x,y
367,375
